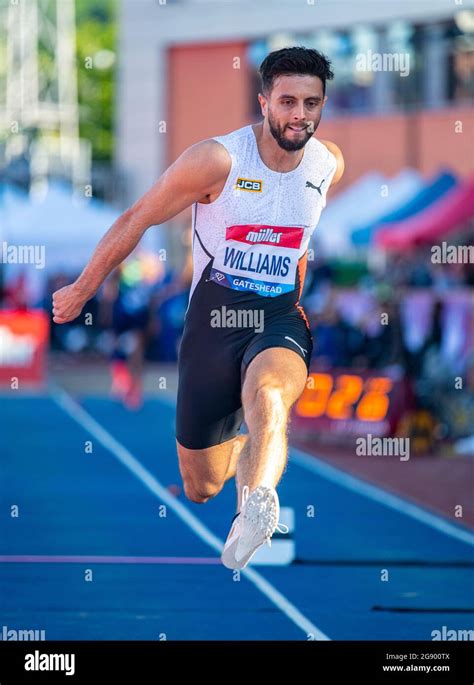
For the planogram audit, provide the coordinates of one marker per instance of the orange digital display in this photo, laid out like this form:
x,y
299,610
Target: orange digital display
x,y
375,402
345,397
314,400
347,392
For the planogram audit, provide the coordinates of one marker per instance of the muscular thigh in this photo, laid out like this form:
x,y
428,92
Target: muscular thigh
x,y
278,368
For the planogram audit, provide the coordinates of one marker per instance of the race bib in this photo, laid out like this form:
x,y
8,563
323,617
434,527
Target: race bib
x,y
261,259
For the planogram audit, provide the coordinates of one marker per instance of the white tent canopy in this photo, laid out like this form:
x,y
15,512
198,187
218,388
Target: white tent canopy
x,y
60,227
68,228
332,235
363,202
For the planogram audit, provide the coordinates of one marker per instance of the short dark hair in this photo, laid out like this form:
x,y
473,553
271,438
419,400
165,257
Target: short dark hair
x,y
295,60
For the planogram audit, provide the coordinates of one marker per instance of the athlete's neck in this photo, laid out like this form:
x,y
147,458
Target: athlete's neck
x,y
271,154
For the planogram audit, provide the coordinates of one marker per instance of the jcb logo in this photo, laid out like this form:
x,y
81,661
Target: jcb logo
x,y
249,184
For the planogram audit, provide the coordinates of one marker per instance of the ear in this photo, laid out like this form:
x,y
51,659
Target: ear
x,y
263,104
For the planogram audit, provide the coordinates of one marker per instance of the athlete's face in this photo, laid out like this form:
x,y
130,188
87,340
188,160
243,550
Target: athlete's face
x,y
293,109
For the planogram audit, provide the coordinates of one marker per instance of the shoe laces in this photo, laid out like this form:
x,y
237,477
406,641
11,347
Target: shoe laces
x,y
280,528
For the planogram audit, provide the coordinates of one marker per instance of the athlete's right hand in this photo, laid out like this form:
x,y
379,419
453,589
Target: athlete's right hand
x,y
68,303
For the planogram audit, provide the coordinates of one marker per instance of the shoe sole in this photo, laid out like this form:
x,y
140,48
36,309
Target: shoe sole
x,y
228,555
229,560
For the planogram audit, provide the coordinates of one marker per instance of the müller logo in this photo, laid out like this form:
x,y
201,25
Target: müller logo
x,y
267,235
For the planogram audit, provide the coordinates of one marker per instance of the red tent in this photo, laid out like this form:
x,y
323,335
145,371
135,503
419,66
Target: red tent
x,y
441,218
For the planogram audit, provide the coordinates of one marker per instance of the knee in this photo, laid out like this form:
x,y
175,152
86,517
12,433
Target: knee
x,y
267,400
200,492
200,484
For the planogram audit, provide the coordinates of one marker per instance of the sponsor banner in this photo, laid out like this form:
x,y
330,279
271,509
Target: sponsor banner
x,y
282,236
23,342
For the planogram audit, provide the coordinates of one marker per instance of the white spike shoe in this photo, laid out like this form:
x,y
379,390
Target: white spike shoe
x,y
253,527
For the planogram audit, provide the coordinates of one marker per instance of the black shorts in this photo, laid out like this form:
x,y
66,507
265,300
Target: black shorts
x,y
212,363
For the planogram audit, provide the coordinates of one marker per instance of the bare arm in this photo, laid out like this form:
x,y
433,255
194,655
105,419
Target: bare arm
x,y
196,174
332,147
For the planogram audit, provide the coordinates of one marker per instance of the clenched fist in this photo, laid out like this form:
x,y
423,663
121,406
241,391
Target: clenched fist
x,y
68,303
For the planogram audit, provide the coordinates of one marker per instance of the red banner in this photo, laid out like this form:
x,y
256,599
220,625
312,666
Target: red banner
x,y
24,338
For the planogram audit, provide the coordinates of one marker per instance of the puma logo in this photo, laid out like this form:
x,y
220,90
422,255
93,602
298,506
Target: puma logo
x,y
318,188
287,337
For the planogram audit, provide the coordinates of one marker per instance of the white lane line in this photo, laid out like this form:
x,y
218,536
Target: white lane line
x,y
85,420
374,492
379,495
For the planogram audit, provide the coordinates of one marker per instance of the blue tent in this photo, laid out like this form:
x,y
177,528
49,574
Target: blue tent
x,y
431,192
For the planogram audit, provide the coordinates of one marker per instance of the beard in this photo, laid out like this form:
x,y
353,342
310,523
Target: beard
x,y
286,144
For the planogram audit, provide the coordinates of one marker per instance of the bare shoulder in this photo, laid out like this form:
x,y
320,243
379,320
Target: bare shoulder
x,y
209,156
336,151
210,162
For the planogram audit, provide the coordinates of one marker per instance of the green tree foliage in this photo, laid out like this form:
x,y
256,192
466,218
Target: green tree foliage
x,y
96,27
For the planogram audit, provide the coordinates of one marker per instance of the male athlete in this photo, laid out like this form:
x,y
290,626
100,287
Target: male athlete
x,y
257,195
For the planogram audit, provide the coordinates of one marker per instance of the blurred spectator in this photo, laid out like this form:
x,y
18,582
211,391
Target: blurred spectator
x,y
168,308
125,309
327,338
